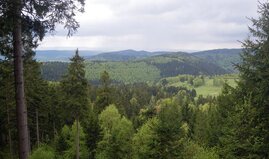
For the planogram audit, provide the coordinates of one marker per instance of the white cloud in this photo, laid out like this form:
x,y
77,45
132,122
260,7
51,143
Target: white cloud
x,y
159,24
89,42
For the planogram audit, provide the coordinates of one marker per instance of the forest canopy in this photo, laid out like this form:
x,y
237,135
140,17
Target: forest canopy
x,y
174,116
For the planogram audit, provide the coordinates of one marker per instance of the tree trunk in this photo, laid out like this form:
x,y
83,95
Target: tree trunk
x,y
37,128
77,138
54,130
29,141
9,134
8,99
19,83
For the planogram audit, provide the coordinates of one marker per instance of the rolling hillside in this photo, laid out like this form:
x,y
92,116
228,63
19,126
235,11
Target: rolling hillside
x,y
148,69
225,58
183,63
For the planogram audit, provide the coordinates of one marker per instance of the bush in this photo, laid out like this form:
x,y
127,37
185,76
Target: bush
x,y
195,151
197,82
43,152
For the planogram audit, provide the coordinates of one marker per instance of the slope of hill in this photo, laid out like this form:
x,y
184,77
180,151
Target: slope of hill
x,y
225,58
127,72
149,69
183,63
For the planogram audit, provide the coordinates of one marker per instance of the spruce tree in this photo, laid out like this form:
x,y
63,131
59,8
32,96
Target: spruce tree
x,y
104,92
245,131
75,91
169,131
254,72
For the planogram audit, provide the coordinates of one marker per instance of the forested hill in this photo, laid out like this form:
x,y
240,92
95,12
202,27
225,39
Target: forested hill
x,y
225,58
145,70
123,55
183,63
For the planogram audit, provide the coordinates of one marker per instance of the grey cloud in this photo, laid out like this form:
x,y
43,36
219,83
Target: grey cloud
x,y
169,23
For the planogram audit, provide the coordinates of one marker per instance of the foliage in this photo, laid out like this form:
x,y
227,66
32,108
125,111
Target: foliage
x,y
168,130
22,25
247,136
207,128
75,88
104,92
197,82
43,152
174,118
65,142
37,19
117,132
37,97
195,151
144,140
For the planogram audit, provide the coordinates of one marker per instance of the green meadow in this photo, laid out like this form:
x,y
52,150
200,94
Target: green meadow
x,y
208,86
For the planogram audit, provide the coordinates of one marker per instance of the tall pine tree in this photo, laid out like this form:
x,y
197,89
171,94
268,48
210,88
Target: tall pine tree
x,y
254,71
75,91
245,130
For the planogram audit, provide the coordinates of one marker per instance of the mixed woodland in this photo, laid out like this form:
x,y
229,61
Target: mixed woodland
x,y
165,115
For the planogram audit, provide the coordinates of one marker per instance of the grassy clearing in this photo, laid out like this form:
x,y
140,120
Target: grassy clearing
x,y
212,85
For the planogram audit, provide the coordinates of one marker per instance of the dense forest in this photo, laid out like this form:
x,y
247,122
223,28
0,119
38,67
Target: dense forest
x,y
72,117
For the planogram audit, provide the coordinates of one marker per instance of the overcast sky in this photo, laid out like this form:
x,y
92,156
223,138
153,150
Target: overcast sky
x,y
158,25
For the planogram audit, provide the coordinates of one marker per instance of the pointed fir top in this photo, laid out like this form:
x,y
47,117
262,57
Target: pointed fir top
x,y
76,54
76,57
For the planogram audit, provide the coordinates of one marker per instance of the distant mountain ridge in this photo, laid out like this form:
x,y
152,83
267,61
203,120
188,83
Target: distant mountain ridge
x,y
124,55
225,58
